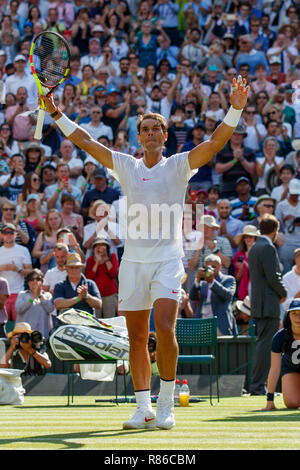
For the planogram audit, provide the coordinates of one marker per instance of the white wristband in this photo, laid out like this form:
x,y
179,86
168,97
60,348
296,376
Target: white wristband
x,y
66,125
232,117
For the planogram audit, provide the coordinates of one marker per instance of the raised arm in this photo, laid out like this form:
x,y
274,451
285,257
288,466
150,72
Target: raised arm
x,y
77,135
201,154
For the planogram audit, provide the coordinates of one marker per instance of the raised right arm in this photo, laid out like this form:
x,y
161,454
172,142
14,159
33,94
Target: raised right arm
x,y
79,136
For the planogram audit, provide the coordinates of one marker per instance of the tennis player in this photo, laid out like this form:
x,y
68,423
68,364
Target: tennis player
x,y
151,268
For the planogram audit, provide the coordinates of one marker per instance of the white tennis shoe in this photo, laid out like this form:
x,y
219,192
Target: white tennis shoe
x,y
142,419
165,418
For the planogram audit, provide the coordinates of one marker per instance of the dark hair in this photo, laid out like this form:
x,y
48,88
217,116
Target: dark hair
x,y
287,325
34,271
287,167
268,224
214,188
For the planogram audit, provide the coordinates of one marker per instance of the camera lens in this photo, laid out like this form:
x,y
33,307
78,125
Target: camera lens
x,y
24,338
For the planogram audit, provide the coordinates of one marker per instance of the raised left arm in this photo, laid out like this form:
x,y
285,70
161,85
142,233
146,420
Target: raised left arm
x,y
201,154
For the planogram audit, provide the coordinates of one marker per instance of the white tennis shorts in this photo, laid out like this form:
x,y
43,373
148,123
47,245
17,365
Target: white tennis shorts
x,y
140,284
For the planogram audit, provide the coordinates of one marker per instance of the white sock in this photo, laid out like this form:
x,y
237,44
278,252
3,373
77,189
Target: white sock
x,y
143,399
166,392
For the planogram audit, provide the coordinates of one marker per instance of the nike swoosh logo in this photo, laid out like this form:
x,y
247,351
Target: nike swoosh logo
x,y
175,291
148,419
146,179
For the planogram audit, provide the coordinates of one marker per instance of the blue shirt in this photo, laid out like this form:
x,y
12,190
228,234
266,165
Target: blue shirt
x,y
65,290
109,195
253,60
237,208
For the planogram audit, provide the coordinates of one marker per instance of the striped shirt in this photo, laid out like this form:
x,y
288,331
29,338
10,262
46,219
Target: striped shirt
x,y
237,208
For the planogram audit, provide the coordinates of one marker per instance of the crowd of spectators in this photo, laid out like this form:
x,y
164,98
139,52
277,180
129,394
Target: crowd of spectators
x,y
177,58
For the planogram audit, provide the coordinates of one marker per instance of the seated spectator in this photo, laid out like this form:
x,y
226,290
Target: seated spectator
x,y
76,291
215,292
243,314
58,273
32,185
95,127
69,101
68,155
25,355
244,241
261,83
102,266
9,143
251,56
268,160
46,240
33,154
265,204
101,227
235,161
291,280
213,196
85,180
280,192
288,214
8,210
230,227
15,180
89,81
54,192
67,237
4,294
255,131
243,205
14,267
31,213
34,305
71,219
114,110
145,44
213,244
100,191
276,76
22,78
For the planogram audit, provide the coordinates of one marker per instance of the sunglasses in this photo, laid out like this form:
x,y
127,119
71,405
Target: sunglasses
x,y
35,179
8,209
268,206
96,112
5,129
8,232
35,279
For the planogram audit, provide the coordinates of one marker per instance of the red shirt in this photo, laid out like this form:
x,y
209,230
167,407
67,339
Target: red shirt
x,y
104,278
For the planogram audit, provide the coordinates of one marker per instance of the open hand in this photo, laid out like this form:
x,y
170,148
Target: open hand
x,y
239,93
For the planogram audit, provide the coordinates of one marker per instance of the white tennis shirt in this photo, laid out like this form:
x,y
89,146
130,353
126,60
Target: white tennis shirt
x,y
153,206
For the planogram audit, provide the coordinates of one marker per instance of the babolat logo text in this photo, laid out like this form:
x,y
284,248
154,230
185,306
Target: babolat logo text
x,y
103,345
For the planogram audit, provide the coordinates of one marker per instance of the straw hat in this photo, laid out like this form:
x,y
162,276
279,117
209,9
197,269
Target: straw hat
x,y
22,327
244,305
94,206
247,230
74,260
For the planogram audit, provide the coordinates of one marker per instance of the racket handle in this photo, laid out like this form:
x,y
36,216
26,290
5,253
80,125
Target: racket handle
x,y
39,124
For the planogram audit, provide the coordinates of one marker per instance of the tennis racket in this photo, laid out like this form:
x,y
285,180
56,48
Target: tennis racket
x,y
79,317
50,58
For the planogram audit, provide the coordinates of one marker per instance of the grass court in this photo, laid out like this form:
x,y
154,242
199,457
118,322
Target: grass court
x,y
46,423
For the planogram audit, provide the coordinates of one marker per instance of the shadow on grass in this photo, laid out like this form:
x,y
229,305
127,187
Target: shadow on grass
x,y
258,416
63,439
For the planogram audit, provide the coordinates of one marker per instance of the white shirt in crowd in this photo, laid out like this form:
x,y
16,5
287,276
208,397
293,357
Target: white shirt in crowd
x,y
20,256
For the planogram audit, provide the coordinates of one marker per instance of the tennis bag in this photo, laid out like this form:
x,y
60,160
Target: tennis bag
x,y
77,341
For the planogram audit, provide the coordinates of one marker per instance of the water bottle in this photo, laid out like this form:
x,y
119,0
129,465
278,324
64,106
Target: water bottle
x,y
176,392
184,395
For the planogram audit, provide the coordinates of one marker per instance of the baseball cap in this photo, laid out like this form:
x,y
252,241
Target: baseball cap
x,y
275,60
240,129
294,305
99,173
32,196
211,115
210,221
9,226
94,39
294,186
97,28
112,89
20,57
243,178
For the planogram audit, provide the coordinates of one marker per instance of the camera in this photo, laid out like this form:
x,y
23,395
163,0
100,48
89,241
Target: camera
x,y
240,259
35,337
208,271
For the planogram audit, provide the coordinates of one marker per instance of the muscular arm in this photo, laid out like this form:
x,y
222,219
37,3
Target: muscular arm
x,y
203,152
81,138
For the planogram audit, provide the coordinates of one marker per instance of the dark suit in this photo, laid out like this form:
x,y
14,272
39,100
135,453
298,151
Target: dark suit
x,y
222,292
267,289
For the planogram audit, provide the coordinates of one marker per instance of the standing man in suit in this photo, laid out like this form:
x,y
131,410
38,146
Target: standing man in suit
x,y
267,293
215,292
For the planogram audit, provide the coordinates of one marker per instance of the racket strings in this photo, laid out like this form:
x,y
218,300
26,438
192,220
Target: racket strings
x,y
50,60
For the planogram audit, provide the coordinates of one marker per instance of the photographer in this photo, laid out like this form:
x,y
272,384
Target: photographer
x,y
24,351
215,292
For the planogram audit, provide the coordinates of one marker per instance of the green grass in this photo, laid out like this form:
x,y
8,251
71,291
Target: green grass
x,y
47,423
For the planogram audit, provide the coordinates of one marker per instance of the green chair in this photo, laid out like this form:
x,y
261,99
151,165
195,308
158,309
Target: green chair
x,y
195,333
